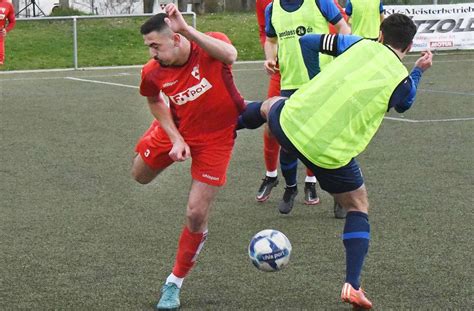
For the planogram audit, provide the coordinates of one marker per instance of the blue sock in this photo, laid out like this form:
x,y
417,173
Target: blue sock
x,y
251,118
288,165
356,238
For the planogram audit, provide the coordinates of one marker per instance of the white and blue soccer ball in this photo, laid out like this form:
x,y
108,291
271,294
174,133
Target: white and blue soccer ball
x,y
270,250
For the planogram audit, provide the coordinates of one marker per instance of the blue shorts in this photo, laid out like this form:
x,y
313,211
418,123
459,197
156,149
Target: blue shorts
x,y
344,179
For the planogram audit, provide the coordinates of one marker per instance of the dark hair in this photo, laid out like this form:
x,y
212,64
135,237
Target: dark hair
x,y
155,23
398,31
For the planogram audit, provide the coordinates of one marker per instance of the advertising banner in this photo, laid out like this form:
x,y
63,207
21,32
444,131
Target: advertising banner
x,y
440,27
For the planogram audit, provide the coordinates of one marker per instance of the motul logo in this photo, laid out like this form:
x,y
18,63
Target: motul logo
x,y
192,93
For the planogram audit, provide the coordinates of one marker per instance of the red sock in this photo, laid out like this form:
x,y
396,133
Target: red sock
x,y
271,150
309,172
189,246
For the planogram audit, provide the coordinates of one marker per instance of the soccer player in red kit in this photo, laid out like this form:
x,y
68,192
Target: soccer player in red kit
x,y
193,70
7,23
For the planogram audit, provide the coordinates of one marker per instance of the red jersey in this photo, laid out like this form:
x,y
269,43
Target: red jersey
x,y
202,93
7,13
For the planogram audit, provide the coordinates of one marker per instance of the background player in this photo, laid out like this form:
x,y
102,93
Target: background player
x,y
271,148
193,70
331,120
286,21
7,23
365,17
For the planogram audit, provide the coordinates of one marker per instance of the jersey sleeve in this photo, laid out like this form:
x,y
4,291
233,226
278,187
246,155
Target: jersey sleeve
x,y
269,30
147,87
349,8
11,19
330,44
330,11
405,93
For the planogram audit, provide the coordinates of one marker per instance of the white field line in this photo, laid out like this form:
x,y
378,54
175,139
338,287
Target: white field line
x,y
235,65
388,118
122,74
102,82
446,92
429,121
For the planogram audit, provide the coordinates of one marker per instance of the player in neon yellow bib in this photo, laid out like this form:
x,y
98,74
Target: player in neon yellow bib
x,y
331,119
286,22
365,17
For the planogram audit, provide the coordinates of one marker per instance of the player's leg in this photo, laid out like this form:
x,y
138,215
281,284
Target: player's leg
x,y
152,154
346,184
271,149
356,237
190,243
289,167
310,194
209,167
2,49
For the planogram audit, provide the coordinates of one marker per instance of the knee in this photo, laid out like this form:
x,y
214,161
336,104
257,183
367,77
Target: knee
x,y
267,105
196,216
138,177
139,173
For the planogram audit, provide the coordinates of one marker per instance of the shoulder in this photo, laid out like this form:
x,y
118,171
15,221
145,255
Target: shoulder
x,y
150,68
220,36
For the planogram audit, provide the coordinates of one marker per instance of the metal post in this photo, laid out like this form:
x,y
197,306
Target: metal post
x,y
74,30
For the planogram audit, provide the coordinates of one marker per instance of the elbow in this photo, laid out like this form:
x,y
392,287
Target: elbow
x,y
231,57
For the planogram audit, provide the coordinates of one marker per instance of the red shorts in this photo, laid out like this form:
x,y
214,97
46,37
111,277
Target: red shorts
x,y
210,153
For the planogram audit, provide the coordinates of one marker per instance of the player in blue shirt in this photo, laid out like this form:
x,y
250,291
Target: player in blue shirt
x,y
327,8
394,89
307,17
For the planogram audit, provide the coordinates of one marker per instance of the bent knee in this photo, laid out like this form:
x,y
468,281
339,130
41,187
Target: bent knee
x,y
267,105
141,172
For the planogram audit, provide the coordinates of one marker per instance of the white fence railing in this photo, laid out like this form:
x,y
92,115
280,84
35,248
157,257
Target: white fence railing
x,y
74,25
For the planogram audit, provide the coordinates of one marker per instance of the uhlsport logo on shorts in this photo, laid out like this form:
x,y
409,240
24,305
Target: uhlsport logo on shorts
x,y
210,177
192,93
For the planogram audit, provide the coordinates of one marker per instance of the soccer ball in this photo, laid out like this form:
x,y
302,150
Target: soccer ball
x,y
270,250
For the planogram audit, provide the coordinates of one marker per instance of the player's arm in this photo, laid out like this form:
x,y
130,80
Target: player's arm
x,y
313,44
349,11
382,15
332,14
11,20
271,43
405,93
218,49
334,45
160,110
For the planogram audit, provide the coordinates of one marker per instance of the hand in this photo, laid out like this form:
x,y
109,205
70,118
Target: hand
x,y
180,151
175,19
3,32
425,61
271,66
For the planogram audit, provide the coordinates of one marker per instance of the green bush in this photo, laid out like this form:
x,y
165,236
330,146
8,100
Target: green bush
x,y
58,11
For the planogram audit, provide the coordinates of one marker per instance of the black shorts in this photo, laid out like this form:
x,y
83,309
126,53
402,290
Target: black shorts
x,y
344,179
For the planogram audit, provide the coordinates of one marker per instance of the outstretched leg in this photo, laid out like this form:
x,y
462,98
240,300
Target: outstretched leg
x,y
356,237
